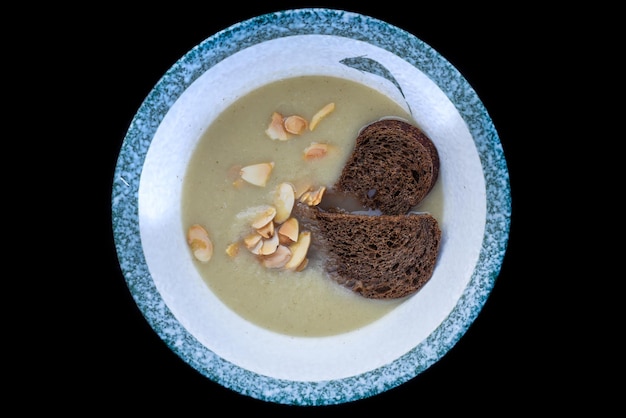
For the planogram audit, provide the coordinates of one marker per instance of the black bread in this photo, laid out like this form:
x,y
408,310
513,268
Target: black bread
x,y
379,257
392,168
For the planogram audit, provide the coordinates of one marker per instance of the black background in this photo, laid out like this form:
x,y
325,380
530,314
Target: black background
x,y
118,363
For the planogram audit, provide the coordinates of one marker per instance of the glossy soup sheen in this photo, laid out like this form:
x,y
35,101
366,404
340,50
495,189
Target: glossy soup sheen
x,y
305,303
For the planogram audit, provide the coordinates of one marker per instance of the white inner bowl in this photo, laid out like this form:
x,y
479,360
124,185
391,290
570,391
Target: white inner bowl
x,y
303,358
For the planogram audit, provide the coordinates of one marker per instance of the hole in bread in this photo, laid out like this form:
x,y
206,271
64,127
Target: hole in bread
x,y
383,289
416,176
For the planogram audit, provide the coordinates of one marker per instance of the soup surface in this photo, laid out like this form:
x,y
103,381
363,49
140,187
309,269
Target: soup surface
x,y
301,303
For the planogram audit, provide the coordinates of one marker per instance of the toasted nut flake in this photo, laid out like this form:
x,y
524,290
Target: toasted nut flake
x,y
315,150
302,187
321,114
284,240
303,265
278,259
295,124
233,249
289,230
313,197
299,250
316,197
265,216
269,245
276,128
306,197
257,174
251,240
256,249
284,200
266,231
200,243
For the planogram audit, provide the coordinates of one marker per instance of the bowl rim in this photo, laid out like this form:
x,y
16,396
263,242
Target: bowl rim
x,y
125,217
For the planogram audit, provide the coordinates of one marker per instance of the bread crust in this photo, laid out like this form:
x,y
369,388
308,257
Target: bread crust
x,y
392,168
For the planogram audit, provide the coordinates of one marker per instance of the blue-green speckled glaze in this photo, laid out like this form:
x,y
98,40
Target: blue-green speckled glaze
x,y
218,47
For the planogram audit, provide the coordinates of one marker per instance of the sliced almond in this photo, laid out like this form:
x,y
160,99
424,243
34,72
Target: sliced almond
x,y
200,243
316,197
295,124
251,240
262,218
306,197
321,114
276,128
313,197
267,230
284,200
278,259
257,174
315,150
302,187
299,250
269,245
256,248
303,265
233,249
289,230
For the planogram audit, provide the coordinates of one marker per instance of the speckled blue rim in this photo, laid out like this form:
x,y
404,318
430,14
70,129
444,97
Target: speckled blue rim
x,y
125,219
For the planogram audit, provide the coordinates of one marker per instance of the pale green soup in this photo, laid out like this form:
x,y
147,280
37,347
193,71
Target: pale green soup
x,y
305,303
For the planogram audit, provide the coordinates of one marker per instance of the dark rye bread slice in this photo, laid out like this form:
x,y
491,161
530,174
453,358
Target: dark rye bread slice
x,y
379,257
392,168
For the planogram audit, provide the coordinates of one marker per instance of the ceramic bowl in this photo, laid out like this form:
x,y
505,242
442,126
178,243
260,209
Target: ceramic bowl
x,y
154,255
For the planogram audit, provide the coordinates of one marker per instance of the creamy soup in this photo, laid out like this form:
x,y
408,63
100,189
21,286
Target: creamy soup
x,y
306,302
